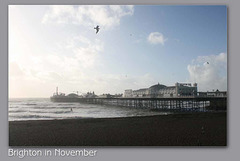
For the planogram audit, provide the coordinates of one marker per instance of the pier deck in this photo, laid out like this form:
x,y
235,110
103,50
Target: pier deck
x,y
169,103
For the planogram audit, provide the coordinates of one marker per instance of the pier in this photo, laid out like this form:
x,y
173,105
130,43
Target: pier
x,y
165,104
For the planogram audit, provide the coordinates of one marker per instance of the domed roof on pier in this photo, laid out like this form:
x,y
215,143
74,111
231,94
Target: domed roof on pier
x,y
72,95
157,87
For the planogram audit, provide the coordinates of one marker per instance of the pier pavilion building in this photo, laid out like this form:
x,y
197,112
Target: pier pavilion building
x,y
160,90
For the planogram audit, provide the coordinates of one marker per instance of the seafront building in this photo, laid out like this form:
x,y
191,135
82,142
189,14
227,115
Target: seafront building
x,y
160,90
216,93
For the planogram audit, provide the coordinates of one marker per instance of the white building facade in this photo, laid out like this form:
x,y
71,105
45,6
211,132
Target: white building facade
x,y
159,90
128,93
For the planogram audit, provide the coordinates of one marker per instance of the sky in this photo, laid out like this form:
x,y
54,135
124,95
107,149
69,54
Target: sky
x,y
136,47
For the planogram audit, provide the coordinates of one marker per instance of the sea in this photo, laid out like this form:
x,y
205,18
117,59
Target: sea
x,y
43,109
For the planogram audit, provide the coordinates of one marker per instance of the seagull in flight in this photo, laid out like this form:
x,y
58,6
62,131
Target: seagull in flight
x,y
97,29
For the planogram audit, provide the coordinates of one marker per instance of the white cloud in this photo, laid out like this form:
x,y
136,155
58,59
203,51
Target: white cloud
x,y
60,14
70,64
85,51
210,72
156,38
88,15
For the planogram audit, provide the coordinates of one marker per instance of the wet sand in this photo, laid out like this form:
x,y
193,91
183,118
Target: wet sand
x,y
198,129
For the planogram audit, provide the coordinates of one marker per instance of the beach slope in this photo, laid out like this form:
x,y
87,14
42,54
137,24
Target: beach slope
x,y
198,129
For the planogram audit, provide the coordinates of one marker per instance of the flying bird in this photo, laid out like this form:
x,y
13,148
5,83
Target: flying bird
x,y
97,29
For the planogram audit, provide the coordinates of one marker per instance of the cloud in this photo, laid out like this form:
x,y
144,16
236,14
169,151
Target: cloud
x,y
85,51
156,38
210,72
76,56
59,14
73,66
75,53
87,15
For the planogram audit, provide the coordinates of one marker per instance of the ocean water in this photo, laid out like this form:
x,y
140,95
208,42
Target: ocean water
x,y
44,109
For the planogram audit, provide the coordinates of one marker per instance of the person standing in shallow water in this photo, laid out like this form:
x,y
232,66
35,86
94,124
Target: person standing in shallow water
x,y
71,110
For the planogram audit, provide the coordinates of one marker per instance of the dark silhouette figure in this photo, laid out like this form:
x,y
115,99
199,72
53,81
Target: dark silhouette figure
x,y
97,29
207,62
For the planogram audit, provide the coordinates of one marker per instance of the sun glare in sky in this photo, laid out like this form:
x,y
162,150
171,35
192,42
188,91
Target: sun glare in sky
x,y
135,47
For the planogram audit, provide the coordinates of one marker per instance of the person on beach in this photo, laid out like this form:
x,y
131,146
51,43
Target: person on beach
x,y
71,110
